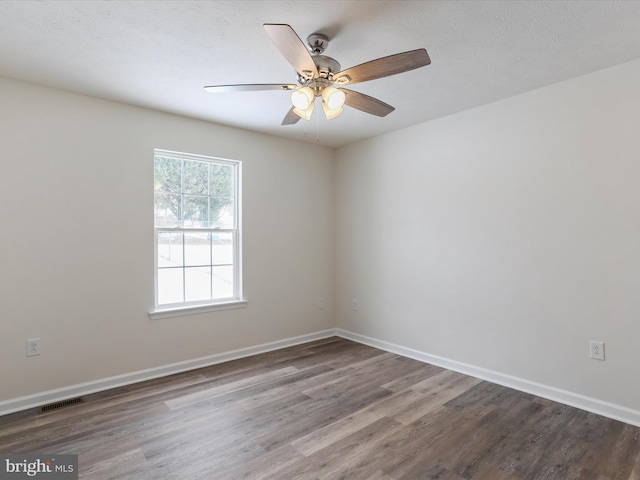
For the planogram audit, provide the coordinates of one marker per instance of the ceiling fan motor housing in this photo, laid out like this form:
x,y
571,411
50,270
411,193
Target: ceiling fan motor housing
x,y
326,66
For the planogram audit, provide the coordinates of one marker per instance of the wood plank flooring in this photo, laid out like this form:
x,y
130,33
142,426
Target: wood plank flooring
x,y
330,409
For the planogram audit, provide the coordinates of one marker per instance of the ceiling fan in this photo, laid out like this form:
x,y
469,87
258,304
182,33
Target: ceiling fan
x,y
321,76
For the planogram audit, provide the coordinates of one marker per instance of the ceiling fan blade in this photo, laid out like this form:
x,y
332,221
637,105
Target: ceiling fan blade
x,y
366,103
292,48
383,67
252,87
290,118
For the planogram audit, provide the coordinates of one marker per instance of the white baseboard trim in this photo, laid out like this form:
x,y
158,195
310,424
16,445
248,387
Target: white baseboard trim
x,y
51,396
583,402
577,400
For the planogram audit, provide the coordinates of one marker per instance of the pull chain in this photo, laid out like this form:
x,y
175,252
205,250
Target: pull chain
x,y
317,127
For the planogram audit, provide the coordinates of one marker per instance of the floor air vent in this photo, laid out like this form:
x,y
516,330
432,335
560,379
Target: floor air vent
x,y
57,405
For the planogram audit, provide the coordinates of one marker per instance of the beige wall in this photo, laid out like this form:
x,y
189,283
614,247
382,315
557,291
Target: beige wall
x,y
505,237
76,240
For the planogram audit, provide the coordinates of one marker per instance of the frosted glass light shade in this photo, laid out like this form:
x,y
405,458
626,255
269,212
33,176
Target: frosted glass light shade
x,y
331,112
333,97
305,114
302,98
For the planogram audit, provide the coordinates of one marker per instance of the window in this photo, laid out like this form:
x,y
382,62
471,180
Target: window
x,y
197,234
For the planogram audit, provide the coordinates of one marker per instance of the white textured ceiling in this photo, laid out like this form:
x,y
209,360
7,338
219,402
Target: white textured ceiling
x,y
159,54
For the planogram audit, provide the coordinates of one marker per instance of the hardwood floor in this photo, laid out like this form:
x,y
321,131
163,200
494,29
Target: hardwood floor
x,y
331,409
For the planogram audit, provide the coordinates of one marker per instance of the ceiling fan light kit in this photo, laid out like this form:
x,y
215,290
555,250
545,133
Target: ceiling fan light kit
x,y
333,97
317,74
302,98
304,114
332,101
331,112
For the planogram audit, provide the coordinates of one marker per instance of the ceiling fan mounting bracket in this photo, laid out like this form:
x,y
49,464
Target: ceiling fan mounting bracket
x,y
317,43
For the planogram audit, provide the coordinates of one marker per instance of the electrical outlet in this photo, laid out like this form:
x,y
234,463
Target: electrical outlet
x,y
320,303
596,350
354,304
33,347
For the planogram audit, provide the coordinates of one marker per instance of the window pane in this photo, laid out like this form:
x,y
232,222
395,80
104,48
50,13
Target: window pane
x,y
167,174
197,283
222,248
169,249
170,287
221,212
167,210
196,177
222,282
195,211
221,181
197,249
222,194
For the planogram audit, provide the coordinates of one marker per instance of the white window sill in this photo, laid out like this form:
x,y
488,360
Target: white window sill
x,y
192,310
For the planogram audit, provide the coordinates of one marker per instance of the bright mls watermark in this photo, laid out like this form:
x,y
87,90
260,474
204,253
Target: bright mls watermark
x,y
50,467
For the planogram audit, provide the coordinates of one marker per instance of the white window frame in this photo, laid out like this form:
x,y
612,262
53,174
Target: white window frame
x,y
201,306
